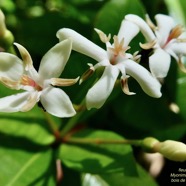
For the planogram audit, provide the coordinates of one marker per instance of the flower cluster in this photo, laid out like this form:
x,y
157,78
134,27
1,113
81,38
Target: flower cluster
x,y
165,39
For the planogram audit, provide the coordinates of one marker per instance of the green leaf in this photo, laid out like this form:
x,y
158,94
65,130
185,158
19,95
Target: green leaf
x,y
30,125
145,115
24,163
181,95
68,174
154,7
177,9
119,179
109,18
100,158
175,132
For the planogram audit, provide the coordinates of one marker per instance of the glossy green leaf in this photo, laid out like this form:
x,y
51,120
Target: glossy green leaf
x,y
177,9
30,125
98,158
109,18
181,95
119,179
24,163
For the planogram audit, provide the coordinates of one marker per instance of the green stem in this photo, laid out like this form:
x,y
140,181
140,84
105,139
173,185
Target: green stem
x,y
53,126
70,124
102,141
11,50
81,108
73,121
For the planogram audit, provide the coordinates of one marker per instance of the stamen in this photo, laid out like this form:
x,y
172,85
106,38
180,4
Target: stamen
x,y
136,57
25,56
175,32
63,82
147,46
125,88
181,65
181,40
118,47
103,37
27,81
150,23
10,84
174,108
87,73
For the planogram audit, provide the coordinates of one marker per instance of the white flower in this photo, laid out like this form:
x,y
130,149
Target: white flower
x,y
166,39
115,60
38,86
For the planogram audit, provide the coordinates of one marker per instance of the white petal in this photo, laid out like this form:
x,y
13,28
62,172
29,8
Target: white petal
x,y
148,83
143,26
178,48
98,94
159,63
57,102
14,103
82,44
32,99
54,61
128,31
165,24
11,66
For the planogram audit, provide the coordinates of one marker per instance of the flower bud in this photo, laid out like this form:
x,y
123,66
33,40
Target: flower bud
x,y
172,150
149,143
6,37
7,40
2,24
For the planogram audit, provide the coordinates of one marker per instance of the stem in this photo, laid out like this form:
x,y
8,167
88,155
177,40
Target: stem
x,y
73,121
102,141
53,126
59,172
70,124
11,50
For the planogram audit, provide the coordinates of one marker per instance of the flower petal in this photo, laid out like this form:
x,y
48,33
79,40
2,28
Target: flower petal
x,y
14,103
143,26
11,66
31,101
178,48
57,102
98,94
148,83
54,61
165,24
159,63
128,31
82,44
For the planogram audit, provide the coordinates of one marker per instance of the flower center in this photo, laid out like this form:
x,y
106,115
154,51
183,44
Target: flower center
x,y
27,81
114,51
118,50
174,34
